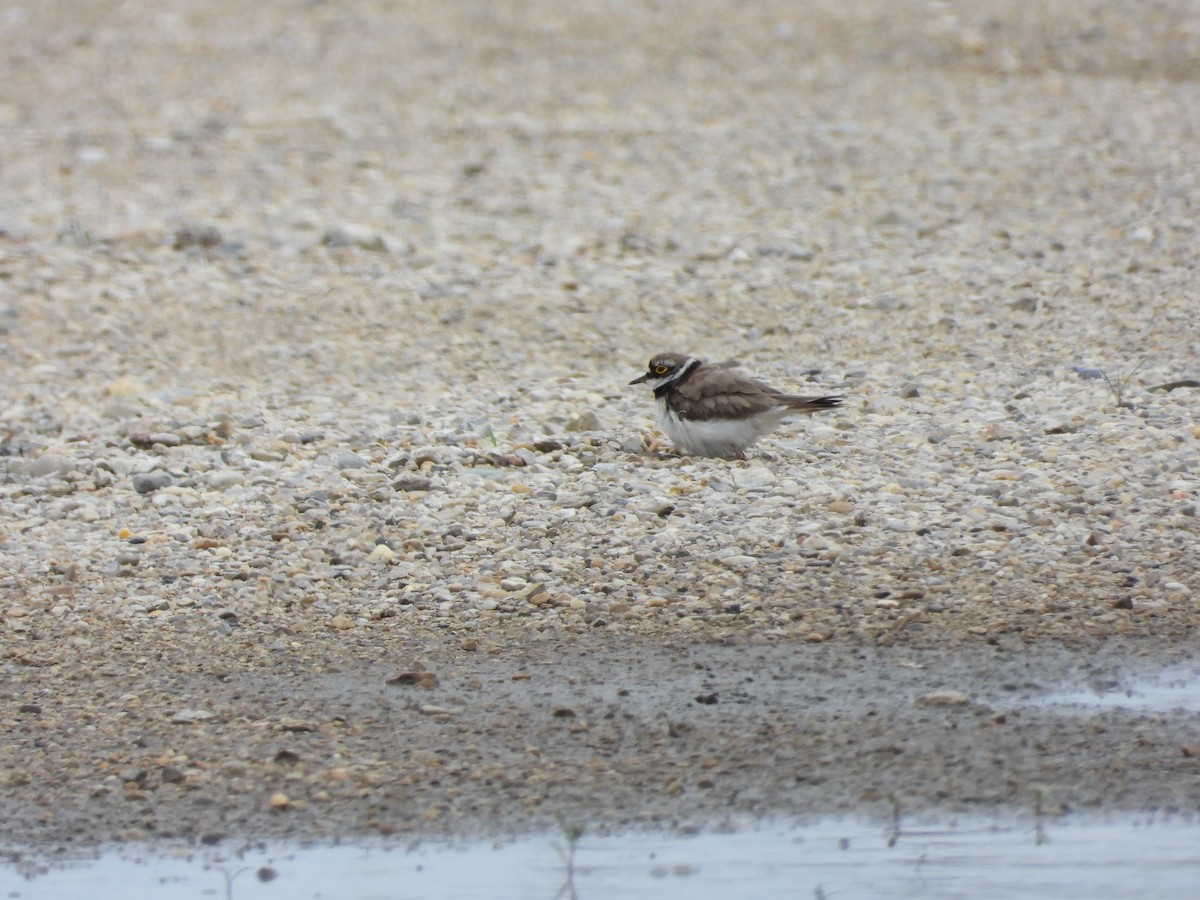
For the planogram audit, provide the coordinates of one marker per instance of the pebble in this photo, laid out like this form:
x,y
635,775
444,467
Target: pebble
x,y
739,561
347,459
223,479
407,483
382,553
585,421
203,236
50,464
288,723
280,801
191,716
148,482
942,698
754,478
122,408
427,680
172,775
361,236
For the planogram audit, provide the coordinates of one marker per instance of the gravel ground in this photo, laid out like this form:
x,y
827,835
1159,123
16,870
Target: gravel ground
x,y
324,503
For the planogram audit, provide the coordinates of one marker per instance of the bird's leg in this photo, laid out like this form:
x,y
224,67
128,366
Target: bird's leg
x,y
741,454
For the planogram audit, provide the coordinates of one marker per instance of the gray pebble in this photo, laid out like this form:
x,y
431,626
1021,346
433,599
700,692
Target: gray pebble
x,y
122,408
355,236
171,775
203,236
191,716
739,561
224,478
348,459
425,454
192,434
50,464
412,483
148,482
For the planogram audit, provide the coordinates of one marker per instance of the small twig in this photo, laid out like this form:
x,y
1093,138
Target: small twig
x,y
1039,828
895,835
229,878
1172,385
572,833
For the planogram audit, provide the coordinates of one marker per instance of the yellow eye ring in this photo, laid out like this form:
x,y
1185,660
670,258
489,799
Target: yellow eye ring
x,y
661,370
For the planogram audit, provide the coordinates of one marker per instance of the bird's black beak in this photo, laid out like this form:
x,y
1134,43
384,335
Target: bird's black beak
x,y
644,377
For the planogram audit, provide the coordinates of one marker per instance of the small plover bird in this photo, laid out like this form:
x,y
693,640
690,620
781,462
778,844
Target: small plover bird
x,y
711,410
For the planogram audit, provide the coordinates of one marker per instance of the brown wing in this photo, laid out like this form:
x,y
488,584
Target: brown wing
x,y
718,393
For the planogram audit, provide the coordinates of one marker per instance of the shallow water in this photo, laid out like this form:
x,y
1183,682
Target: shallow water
x,y
1114,858
1167,690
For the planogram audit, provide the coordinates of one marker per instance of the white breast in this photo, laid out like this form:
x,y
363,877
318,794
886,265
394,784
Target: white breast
x,y
716,437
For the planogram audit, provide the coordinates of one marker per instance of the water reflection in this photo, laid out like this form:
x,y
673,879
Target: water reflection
x,y
954,858
1168,690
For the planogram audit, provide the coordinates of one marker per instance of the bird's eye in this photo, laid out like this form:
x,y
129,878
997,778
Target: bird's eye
x,y
661,370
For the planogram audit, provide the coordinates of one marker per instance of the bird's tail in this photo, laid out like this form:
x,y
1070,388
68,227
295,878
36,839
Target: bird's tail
x,y
811,404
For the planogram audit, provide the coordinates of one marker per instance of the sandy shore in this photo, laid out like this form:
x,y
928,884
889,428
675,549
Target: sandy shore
x,y
325,506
